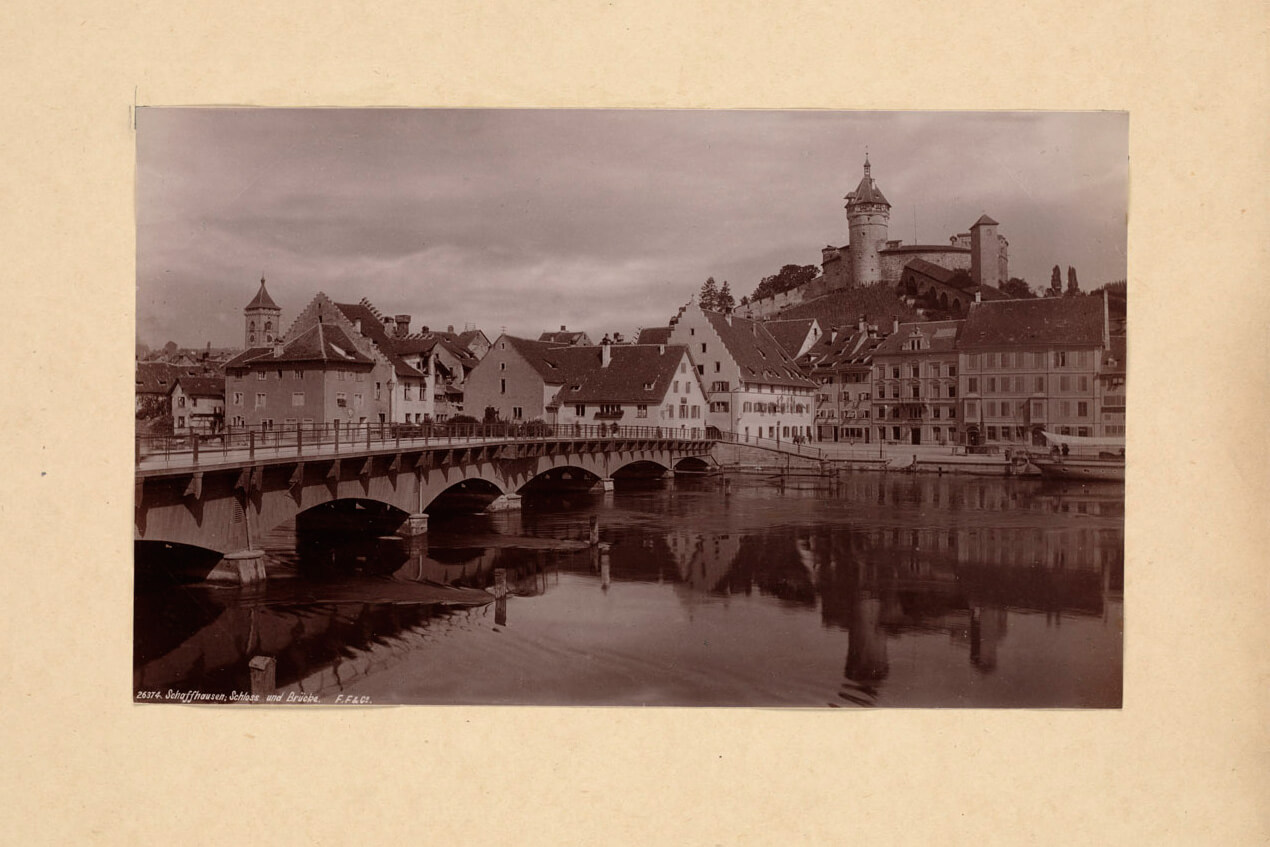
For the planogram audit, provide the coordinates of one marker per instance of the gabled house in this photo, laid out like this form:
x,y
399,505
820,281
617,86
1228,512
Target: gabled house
x,y
841,365
198,404
653,385
517,379
754,386
915,384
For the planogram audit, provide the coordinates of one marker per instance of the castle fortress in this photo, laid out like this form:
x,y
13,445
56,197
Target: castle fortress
x,y
872,257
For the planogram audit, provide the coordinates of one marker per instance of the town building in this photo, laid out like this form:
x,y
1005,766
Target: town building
x,y
754,387
1031,365
1112,387
516,380
841,365
915,384
654,385
198,404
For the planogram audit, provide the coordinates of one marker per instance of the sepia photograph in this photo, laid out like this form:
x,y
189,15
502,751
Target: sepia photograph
x,y
599,407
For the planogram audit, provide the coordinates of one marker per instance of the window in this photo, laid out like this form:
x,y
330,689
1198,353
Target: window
x,y
1082,410
692,330
341,399
260,401
579,409
407,391
718,366
952,370
972,384
288,423
670,412
1065,408
297,374
917,392
972,409
518,413
339,375
676,386
1082,431
696,411
261,375
1039,387
1060,359
180,402
297,398
895,373
641,411
502,386
701,370
703,347
1084,383
502,366
992,385
990,408
895,433
936,413
378,390
180,421
952,413
917,371
992,433
357,401
238,398
952,390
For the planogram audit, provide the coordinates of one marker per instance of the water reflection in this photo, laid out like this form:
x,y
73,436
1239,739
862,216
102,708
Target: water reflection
x,y
866,589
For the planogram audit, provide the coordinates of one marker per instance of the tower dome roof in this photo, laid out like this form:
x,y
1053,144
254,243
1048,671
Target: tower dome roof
x,y
867,191
262,300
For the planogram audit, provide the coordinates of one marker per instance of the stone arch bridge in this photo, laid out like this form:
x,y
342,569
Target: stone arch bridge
x,y
223,497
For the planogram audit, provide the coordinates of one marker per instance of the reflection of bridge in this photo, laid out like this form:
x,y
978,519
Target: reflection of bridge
x,y
222,498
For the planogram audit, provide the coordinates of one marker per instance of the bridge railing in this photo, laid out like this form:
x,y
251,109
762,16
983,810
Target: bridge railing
x,y
246,443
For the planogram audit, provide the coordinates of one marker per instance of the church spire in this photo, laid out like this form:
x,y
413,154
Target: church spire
x,y
868,169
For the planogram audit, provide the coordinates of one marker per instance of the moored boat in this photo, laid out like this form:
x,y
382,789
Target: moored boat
x,y
1082,458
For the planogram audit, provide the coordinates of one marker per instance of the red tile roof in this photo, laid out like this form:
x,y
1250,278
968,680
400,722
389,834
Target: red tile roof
x,y
373,328
202,386
637,373
326,343
941,337
759,355
1046,322
654,335
790,334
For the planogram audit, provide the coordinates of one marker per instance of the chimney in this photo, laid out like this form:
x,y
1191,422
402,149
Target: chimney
x,y
661,349
727,315
895,323
450,329
357,324
277,348
862,324
423,330
387,325
606,352
978,296
833,334
563,328
403,325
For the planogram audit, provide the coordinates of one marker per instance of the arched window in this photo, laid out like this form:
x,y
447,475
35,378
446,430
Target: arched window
x,y
252,326
268,326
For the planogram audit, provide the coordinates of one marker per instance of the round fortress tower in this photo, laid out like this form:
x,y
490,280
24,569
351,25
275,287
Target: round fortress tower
x,y
868,216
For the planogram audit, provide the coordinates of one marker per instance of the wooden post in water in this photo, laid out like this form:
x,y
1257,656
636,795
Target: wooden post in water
x,y
500,582
594,534
263,675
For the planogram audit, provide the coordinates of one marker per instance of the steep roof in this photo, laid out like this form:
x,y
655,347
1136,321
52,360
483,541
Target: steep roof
x,y
941,336
984,220
373,328
637,373
262,300
202,386
327,343
838,348
932,271
867,191
759,355
159,377
654,335
790,334
552,362
1051,321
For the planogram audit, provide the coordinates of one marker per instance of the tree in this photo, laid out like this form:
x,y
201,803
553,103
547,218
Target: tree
x,y
1073,287
789,277
1056,283
1018,288
709,296
724,299
745,300
491,415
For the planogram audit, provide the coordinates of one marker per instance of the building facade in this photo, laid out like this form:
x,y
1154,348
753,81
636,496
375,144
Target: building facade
x,y
1032,365
754,387
634,385
841,365
915,384
198,404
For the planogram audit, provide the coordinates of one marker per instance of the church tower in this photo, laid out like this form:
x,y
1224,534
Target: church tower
x,y
263,319
868,215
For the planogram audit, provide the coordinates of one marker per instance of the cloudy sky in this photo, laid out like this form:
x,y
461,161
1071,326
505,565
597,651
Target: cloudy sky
x,y
599,220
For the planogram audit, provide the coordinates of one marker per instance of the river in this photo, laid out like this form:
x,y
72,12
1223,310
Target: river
x,y
871,590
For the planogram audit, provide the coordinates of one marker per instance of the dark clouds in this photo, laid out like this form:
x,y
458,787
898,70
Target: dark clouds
x,y
596,219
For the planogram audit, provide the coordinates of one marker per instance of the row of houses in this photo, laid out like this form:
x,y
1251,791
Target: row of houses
x,y
1009,370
